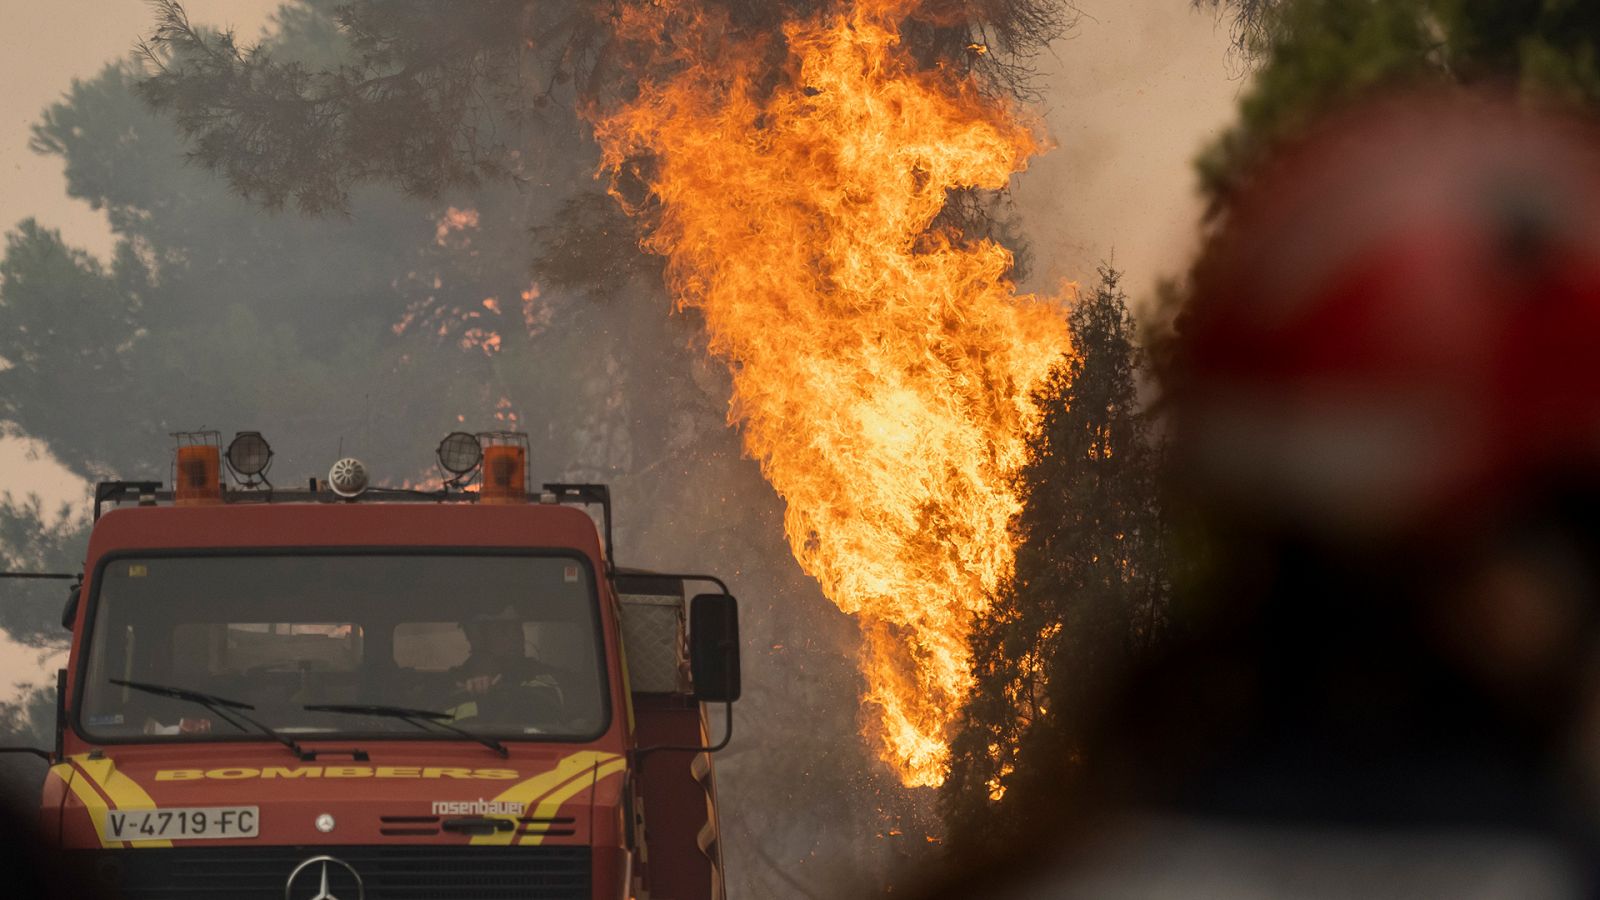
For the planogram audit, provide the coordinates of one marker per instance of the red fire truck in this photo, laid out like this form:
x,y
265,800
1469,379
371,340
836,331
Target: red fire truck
x,y
344,691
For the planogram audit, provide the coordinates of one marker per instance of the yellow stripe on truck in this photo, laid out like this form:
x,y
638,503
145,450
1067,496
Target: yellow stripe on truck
x,y
122,791
553,801
576,767
541,796
93,804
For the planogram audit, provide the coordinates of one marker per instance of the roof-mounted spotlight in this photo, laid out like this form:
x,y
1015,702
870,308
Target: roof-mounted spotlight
x,y
249,457
459,454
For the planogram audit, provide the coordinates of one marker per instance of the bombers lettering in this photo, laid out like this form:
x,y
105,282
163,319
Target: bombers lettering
x,y
335,772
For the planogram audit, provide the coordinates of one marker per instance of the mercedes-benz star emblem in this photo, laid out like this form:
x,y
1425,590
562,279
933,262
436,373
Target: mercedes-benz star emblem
x,y
318,877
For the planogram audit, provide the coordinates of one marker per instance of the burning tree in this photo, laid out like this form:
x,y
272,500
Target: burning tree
x,y
1087,596
880,361
826,162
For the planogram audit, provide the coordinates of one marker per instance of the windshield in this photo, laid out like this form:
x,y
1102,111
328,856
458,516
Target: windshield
x,y
506,646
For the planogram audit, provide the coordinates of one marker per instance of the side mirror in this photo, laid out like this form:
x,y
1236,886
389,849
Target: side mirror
x,y
714,647
69,613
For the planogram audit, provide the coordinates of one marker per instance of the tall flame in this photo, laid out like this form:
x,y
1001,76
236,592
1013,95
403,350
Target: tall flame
x,y
881,366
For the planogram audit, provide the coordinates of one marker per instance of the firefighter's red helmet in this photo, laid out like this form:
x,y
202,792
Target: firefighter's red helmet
x,y
1401,317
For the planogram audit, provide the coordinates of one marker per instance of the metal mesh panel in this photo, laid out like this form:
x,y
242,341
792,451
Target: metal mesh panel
x,y
653,636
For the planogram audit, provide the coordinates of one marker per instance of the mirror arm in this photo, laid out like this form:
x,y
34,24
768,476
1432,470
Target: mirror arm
x,y
36,751
69,613
727,735
727,729
61,714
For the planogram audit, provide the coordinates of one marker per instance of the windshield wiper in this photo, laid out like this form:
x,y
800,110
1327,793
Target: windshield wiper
x,y
217,705
418,717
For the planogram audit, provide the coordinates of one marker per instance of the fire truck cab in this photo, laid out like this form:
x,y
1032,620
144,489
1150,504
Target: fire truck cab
x,y
360,693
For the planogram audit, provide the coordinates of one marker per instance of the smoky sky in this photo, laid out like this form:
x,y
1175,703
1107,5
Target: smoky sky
x,y
1130,98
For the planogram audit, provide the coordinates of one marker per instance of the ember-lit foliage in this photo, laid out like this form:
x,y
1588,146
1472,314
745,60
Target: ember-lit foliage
x,y
592,247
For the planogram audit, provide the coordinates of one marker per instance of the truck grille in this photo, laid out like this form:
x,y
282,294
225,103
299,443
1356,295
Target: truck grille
x,y
387,873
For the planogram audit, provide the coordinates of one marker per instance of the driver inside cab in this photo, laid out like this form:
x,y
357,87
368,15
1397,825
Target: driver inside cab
x,y
498,681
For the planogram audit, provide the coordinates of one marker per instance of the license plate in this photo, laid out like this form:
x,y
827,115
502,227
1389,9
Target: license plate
x,y
195,823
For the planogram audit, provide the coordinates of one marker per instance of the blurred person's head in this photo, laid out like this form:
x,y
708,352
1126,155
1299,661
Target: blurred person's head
x,y
1392,335
495,634
1387,417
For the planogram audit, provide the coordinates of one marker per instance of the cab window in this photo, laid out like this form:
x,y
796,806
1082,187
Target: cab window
x,y
504,645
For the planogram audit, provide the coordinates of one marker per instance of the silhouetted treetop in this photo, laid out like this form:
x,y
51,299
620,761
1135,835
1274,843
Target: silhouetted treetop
x,y
1313,56
1088,594
431,94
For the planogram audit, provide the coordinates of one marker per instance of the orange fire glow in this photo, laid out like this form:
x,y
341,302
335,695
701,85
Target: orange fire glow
x,y
881,366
